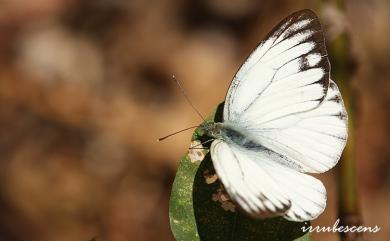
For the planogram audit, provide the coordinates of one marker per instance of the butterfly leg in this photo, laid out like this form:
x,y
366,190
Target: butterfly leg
x,y
200,144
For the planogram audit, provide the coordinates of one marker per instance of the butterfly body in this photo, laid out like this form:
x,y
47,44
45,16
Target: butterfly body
x,y
232,134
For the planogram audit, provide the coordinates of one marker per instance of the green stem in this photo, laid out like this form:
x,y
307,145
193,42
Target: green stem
x,y
342,63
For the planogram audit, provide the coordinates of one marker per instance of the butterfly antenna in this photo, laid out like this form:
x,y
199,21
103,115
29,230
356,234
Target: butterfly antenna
x,y
165,137
186,96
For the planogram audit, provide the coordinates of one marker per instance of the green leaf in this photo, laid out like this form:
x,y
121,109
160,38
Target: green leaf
x,y
200,210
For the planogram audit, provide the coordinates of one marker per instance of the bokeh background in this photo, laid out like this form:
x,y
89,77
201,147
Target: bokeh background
x,y
85,90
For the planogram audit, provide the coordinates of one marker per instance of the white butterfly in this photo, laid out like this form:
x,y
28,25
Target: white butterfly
x,y
283,117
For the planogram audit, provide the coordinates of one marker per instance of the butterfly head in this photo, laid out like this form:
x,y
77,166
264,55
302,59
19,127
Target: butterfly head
x,y
212,129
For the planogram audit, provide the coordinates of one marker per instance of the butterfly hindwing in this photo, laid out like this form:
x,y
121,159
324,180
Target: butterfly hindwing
x,y
313,140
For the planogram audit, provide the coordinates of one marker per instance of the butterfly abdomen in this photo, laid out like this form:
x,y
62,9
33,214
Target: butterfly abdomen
x,y
238,136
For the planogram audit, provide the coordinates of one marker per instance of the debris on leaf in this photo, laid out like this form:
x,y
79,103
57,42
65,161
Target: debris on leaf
x,y
195,153
222,197
210,177
228,206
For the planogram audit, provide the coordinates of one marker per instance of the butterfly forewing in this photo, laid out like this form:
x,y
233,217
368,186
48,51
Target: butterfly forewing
x,y
241,177
264,188
289,70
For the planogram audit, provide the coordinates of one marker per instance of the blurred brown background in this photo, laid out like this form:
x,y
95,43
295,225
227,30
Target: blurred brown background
x,y
85,90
